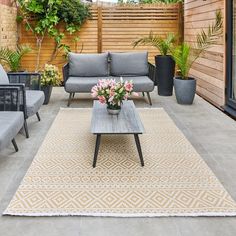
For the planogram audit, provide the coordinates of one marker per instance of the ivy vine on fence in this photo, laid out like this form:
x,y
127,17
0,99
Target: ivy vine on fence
x,y
42,18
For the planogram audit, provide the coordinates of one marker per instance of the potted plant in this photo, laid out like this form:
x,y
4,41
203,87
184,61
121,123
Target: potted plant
x,y
165,65
113,94
50,77
185,55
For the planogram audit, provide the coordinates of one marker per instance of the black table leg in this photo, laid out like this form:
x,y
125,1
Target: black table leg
x,y
136,137
98,140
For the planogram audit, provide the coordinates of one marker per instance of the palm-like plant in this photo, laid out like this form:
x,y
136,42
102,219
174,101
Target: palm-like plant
x,y
185,55
162,44
12,58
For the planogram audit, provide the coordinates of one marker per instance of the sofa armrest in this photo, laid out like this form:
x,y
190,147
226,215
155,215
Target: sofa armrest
x,y
65,72
22,95
30,80
152,73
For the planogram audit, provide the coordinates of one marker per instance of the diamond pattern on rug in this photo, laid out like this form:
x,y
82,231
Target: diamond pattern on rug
x,y
175,181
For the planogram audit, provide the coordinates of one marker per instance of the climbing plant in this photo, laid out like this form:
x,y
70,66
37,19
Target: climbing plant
x,y
43,17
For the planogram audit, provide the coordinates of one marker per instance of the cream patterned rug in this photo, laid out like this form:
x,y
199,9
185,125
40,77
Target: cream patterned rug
x,y
174,182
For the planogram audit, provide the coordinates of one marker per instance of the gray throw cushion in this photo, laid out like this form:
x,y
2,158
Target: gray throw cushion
x,y
141,83
34,100
3,76
88,65
81,84
11,123
129,64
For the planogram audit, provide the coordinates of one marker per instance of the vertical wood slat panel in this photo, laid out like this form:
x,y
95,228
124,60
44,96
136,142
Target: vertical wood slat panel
x,y
113,28
99,29
209,69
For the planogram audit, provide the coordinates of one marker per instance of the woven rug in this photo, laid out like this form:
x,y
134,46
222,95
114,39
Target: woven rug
x,y
174,182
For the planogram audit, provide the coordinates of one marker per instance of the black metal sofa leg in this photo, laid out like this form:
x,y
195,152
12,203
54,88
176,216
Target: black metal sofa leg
x,y
38,116
15,145
69,101
143,94
149,99
26,129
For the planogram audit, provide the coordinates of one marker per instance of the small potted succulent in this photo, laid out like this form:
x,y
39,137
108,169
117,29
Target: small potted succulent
x,y
185,55
165,65
113,93
50,77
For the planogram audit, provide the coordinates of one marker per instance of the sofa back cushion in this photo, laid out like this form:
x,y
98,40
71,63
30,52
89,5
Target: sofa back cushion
x,y
3,76
129,64
88,65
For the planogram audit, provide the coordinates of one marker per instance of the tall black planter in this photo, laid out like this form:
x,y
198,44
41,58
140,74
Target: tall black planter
x,y
47,93
165,70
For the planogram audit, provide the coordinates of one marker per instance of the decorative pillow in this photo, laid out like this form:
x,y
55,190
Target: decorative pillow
x,y
129,64
88,65
3,76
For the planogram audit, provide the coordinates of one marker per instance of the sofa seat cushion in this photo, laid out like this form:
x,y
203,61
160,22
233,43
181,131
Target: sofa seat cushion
x,y
141,83
85,84
81,84
129,64
34,100
88,65
11,123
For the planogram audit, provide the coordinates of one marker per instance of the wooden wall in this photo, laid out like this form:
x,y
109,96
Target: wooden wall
x,y
114,28
209,69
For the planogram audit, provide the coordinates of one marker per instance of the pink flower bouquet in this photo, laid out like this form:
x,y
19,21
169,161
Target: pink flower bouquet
x,y
112,93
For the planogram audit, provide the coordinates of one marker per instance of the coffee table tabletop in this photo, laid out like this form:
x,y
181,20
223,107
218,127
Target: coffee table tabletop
x,y
126,122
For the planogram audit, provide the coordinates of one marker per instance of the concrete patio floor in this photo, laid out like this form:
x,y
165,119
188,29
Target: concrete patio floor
x,y
212,133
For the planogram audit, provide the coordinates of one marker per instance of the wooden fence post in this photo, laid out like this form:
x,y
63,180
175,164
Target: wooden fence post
x,y
181,22
99,25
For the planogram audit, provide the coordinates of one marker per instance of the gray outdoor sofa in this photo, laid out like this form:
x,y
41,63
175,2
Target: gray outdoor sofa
x,y
83,71
30,100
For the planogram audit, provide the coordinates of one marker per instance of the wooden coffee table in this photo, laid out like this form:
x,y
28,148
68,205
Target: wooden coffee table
x,y
126,123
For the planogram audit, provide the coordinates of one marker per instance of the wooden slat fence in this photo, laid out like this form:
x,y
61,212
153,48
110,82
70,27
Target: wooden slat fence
x,y
114,28
209,68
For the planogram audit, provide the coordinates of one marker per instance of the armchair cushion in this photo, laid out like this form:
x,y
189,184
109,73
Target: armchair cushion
x,y
88,65
3,76
34,100
129,64
10,124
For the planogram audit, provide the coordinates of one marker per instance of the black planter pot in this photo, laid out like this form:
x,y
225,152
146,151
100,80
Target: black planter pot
x,y
165,70
47,93
185,90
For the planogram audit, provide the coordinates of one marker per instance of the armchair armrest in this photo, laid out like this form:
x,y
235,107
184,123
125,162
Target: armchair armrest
x,y
9,98
65,71
31,80
152,73
22,95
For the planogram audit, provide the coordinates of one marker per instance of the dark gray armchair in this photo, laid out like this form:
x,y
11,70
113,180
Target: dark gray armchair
x,y
30,100
11,118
